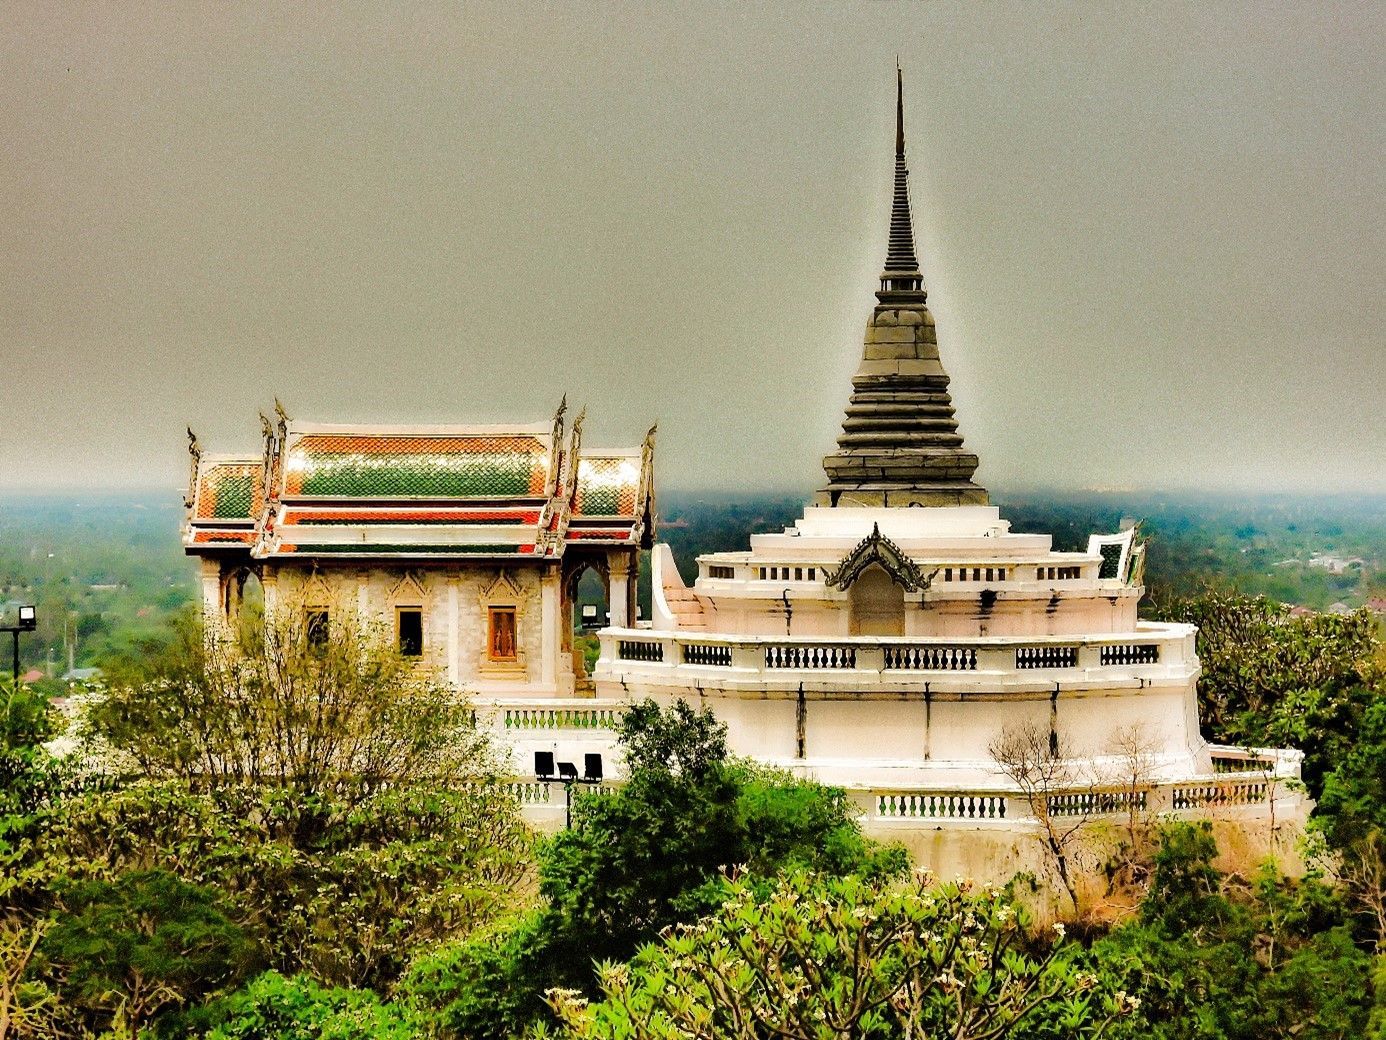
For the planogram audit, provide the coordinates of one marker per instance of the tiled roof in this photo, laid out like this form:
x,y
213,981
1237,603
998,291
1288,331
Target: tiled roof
x,y
442,491
410,516
409,549
400,466
225,537
607,485
230,490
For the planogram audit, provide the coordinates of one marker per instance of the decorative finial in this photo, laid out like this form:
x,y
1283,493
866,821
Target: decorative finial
x,y
899,110
194,449
901,274
279,411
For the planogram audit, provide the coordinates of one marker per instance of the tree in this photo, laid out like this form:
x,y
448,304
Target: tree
x,y
273,1007
147,941
1270,679
1212,957
329,722
846,958
26,1005
1040,765
637,860
406,868
649,855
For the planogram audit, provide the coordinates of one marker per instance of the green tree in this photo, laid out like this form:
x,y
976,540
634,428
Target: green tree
x,y
649,855
1212,958
817,958
147,941
330,722
273,1007
1272,679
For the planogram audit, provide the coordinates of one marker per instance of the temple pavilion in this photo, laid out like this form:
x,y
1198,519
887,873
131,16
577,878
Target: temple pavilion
x,y
466,541
884,643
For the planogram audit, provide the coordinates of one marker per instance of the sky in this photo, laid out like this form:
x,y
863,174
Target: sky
x,y
1153,234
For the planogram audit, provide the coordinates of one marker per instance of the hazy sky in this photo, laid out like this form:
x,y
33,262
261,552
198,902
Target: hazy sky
x,y
1152,234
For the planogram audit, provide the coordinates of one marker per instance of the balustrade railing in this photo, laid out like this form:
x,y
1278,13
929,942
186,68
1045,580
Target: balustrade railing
x,y
1203,795
894,654
810,655
1216,795
1046,657
929,658
561,718
718,654
1131,653
907,806
641,650
1098,803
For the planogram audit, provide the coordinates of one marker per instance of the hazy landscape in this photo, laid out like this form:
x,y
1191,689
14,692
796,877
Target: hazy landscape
x,y
109,567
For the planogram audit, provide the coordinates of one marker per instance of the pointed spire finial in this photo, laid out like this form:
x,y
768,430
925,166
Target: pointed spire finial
x,y
899,110
901,274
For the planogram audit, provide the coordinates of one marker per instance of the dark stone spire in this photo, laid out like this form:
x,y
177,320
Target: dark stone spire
x,y
901,266
900,444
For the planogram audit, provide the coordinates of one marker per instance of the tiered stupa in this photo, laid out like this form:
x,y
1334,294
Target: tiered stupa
x,y
900,444
887,640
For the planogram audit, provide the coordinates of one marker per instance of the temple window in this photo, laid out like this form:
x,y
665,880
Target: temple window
x,y
719,571
813,573
798,574
500,641
409,625
315,626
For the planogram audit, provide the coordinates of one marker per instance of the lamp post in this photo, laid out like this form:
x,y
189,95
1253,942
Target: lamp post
x,y
27,622
566,773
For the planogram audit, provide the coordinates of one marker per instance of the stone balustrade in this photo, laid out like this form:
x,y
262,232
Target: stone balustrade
x,y
1151,651
539,714
996,806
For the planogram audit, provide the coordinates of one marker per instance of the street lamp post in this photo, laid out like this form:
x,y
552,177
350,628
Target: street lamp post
x,y
566,773
27,622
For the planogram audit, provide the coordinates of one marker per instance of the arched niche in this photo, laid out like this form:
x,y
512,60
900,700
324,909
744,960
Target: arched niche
x,y
878,604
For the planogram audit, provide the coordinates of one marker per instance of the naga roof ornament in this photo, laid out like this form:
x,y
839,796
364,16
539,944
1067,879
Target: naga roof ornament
x,y
877,549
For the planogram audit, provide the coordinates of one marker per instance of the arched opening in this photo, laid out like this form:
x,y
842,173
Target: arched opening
x,y
242,597
586,608
878,604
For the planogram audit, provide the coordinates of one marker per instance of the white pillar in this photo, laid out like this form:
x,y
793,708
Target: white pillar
x,y
212,609
618,593
454,635
269,582
551,638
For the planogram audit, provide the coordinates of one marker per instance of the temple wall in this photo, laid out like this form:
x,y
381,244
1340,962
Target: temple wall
x,y
454,604
954,732
1068,615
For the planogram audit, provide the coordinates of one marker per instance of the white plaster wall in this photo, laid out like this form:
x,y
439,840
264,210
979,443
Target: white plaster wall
x,y
454,604
949,731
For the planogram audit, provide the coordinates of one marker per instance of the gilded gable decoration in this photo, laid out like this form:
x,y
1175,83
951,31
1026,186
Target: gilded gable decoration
x,y
502,586
878,549
409,588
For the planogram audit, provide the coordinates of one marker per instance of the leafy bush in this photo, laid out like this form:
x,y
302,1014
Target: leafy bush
x,y
1214,959
273,1007
842,957
144,942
